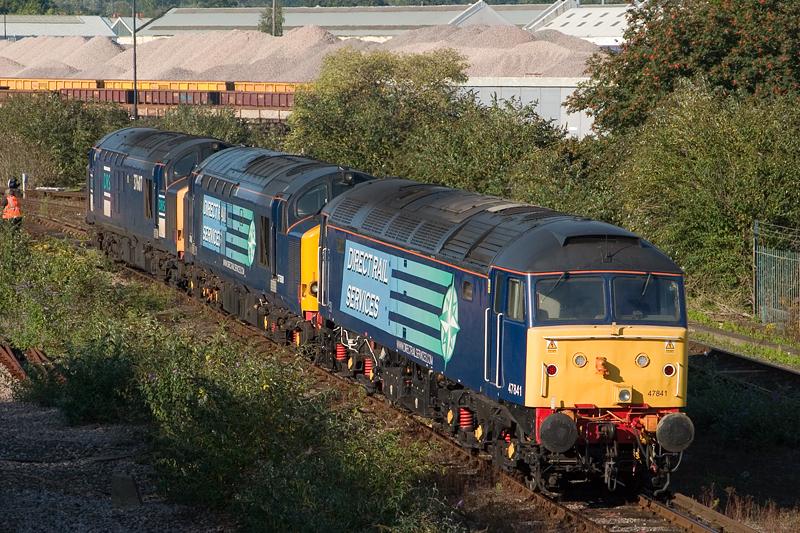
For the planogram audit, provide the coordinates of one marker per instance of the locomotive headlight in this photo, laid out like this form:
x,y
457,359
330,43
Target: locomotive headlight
x,y
580,360
642,360
624,395
314,288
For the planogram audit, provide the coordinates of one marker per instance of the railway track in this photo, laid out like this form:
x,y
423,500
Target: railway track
x,y
757,374
63,215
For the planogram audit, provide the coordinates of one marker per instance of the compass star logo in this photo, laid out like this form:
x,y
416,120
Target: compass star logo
x,y
449,323
251,244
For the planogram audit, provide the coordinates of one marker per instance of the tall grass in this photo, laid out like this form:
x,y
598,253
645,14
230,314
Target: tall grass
x,y
233,429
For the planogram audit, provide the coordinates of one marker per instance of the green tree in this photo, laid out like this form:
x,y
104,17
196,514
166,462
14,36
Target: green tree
x,y
64,129
363,107
573,176
204,121
475,147
26,7
265,22
699,173
747,47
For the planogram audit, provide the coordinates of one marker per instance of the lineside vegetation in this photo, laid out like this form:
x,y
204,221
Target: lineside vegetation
x,y
234,429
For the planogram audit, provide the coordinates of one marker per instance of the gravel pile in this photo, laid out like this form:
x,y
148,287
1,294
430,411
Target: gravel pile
x,y
297,56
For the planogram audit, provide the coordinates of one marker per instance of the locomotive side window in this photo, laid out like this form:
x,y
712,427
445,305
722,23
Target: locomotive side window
x,y
467,291
312,201
263,249
515,303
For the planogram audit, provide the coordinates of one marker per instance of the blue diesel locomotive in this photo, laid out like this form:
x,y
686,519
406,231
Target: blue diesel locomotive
x,y
553,342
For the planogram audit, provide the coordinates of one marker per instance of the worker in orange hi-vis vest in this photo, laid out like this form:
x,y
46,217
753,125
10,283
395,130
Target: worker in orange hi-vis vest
x,y
12,212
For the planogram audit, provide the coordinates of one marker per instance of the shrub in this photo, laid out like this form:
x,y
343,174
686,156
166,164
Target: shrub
x,y
576,177
63,130
219,123
48,299
23,156
363,106
475,147
701,171
234,429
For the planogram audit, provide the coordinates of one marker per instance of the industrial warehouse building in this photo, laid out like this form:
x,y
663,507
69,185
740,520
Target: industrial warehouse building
x,y
527,80
16,27
371,23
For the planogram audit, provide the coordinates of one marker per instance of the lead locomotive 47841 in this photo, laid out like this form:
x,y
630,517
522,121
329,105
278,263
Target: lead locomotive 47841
x,y
554,342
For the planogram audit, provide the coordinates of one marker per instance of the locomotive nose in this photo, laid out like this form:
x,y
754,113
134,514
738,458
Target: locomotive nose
x,y
675,432
558,433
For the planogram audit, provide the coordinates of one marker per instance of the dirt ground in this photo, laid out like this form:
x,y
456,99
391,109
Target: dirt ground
x,y
765,475
55,477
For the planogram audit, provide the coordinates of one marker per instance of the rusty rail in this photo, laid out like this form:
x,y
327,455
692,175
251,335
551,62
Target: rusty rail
x,y
9,360
692,516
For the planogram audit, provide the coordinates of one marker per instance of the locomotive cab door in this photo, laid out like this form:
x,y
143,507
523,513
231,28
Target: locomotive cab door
x,y
506,330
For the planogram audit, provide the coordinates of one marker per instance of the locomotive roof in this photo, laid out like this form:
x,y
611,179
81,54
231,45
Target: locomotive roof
x,y
150,145
477,232
265,172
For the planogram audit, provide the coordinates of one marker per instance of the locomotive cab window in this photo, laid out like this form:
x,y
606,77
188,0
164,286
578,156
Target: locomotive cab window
x,y
312,201
515,303
570,298
184,166
646,298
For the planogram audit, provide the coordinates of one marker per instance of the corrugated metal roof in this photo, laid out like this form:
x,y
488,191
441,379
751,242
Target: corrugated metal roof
x,y
124,25
17,26
343,21
602,25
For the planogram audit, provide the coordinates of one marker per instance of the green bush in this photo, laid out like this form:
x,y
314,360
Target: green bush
x,y
47,298
241,430
95,382
220,123
63,130
701,171
364,106
234,429
575,177
476,147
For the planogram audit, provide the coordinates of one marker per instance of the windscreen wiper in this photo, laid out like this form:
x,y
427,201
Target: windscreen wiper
x,y
558,282
646,283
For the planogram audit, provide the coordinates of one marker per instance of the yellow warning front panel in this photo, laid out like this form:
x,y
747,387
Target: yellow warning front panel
x,y
309,269
610,354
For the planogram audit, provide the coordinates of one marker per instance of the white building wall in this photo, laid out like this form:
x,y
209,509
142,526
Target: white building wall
x,y
549,94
